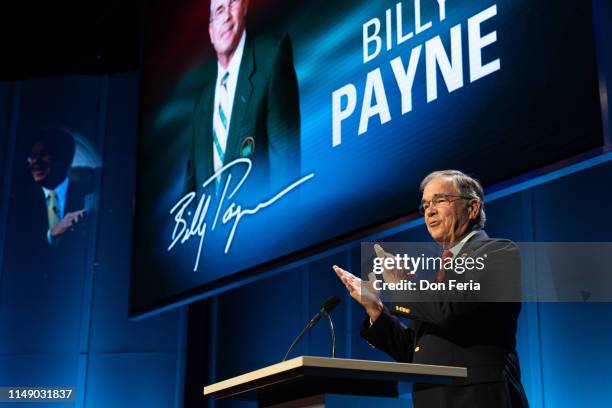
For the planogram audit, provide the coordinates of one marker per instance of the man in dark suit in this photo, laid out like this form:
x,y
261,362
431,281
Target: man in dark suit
x,y
445,329
249,108
47,239
56,202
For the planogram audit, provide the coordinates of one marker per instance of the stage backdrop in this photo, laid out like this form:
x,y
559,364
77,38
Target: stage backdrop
x,y
340,109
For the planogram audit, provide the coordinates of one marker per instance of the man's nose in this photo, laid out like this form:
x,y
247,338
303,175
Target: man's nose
x,y
225,15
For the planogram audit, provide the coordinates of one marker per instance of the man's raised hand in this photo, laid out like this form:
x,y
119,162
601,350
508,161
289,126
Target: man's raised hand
x,y
362,291
390,275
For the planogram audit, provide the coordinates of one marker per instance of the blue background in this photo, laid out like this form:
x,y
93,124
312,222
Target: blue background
x,y
540,107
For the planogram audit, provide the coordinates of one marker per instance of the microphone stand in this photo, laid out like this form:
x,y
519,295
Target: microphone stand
x,y
332,332
297,339
309,326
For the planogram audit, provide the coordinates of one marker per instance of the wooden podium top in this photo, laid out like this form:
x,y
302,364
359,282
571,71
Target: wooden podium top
x,y
340,368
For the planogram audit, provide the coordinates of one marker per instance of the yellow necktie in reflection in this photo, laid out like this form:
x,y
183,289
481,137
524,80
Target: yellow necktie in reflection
x,y
53,210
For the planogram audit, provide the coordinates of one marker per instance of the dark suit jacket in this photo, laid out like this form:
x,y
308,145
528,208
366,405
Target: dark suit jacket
x,y
37,269
46,281
71,241
476,335
34,224
265,110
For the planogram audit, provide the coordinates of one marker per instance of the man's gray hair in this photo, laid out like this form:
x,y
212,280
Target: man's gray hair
x,y
466,186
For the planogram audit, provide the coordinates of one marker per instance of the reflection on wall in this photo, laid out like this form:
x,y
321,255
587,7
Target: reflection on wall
x,y
63,296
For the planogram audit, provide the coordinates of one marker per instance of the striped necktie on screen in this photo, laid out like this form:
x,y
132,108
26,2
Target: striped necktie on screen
x,y
220,124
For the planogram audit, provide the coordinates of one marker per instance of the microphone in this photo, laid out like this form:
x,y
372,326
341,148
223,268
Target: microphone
x,y
327,306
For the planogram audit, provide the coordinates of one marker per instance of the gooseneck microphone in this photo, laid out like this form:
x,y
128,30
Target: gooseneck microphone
x,y
327,306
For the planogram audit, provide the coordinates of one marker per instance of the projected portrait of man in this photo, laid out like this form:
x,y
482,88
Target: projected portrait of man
x,y
57,202
249,107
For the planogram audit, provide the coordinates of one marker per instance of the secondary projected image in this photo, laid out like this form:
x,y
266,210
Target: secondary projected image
x,y
53,199
59,209
48,251
269,127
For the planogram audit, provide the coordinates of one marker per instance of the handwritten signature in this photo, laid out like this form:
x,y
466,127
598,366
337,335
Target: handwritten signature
x,y
185,229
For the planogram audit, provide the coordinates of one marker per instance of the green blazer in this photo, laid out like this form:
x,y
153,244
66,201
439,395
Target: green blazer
x,y
265,122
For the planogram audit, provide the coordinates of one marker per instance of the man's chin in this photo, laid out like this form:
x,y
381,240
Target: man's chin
x,y
439,238
227,49
433,233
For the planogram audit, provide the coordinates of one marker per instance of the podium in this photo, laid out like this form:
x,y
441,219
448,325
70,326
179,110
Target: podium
x,y
330,382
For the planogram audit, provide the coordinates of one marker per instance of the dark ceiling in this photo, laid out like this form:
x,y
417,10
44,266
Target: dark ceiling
x,y
54,38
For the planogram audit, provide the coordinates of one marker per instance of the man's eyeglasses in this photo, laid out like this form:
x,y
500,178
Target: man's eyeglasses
x,y
440,201
45,157
216,14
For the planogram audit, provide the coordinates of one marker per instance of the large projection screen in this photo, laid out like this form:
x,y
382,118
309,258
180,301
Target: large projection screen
x,y
332,114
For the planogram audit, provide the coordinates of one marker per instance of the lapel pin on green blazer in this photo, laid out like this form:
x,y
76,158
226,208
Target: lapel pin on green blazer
x,y
247,147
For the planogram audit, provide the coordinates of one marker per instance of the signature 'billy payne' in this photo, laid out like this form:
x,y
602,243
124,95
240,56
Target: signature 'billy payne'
x,y
185,228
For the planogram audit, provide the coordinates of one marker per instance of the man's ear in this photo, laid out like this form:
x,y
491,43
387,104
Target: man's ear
x,y
473,208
